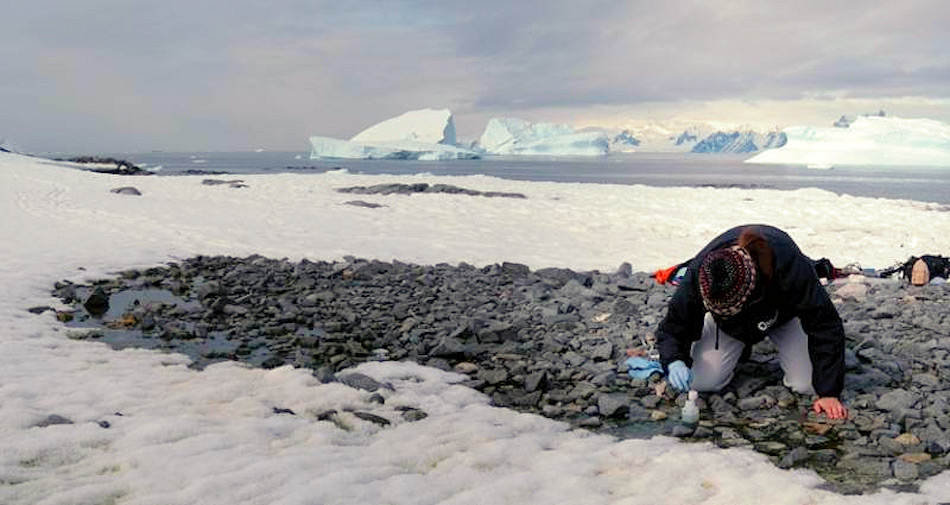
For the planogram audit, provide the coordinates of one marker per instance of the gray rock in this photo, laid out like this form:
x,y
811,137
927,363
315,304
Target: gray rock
x,y
703,432
530,345
360,381
412,414
602,352
361,203
449,347
650,401
537,381
756,402
926,380
613,405
126,190
590,422
904,470
373,418
492,376
793,458
682,431
898,399
53,420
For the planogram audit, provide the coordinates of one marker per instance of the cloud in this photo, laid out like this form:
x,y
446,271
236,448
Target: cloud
x,y
200,74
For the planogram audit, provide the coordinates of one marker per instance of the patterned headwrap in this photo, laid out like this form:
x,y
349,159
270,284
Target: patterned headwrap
x,y
726,279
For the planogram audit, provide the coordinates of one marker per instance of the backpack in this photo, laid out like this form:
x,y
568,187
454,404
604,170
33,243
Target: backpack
x,y
939,266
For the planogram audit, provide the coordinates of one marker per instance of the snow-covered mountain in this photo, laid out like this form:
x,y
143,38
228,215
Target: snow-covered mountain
x,y
695,137
740,142
869,140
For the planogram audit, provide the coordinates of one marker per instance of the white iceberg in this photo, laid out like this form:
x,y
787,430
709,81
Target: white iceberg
x,y
326,147
519,137
869,141
429,126
426,134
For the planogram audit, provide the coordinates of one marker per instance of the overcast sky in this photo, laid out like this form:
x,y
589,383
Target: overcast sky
x,y
125,75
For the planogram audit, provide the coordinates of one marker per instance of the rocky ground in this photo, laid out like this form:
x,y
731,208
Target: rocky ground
x,y
552,342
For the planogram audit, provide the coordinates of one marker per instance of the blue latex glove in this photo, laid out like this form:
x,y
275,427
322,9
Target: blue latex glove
x,y
642,368
680,376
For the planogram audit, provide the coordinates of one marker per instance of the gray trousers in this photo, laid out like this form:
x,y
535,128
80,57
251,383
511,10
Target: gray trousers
x,y
713,368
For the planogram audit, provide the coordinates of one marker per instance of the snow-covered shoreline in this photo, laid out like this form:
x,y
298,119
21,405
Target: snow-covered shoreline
x,y
212,436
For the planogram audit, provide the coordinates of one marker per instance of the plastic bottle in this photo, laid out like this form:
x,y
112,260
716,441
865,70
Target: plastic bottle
x,y
690,413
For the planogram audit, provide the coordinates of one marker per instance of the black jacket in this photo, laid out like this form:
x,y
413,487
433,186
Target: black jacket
x,y
794,292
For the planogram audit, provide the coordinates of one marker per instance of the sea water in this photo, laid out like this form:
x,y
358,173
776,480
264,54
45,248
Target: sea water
x,y
925,184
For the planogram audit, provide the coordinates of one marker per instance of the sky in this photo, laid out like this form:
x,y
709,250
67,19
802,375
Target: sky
x,y
119,75
178,436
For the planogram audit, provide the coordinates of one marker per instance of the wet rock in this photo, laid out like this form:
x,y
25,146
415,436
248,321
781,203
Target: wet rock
x,y
97,304
682,431
756,402
904,470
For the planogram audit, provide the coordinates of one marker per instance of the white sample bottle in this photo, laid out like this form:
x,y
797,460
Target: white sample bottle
x,y
690,413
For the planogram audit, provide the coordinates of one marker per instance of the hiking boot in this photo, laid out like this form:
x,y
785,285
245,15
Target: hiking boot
x,y
920,274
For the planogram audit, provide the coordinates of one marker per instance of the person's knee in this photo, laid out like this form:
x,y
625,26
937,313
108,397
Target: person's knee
x,y
800,385
710,383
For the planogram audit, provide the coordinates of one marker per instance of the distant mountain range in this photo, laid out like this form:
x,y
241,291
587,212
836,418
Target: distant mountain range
x,y
697,138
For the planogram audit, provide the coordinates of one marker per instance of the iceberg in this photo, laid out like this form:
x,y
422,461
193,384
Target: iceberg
x,y
430,126
869,141
514,136
426,135
326,147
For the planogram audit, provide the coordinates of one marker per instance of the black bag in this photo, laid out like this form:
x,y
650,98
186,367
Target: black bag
x,y
939,266
825,269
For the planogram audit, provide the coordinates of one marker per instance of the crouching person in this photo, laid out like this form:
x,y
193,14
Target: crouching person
x,y
749,283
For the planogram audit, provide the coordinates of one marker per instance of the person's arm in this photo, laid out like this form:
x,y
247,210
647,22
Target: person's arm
x,y
822,324
683,323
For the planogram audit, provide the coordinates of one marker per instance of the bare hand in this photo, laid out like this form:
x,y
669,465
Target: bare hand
x,y
831,406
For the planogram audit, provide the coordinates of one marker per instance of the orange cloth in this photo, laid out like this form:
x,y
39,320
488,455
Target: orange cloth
x,y
663,275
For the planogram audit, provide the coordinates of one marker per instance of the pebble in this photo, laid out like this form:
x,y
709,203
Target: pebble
x,y
904,470
553,342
